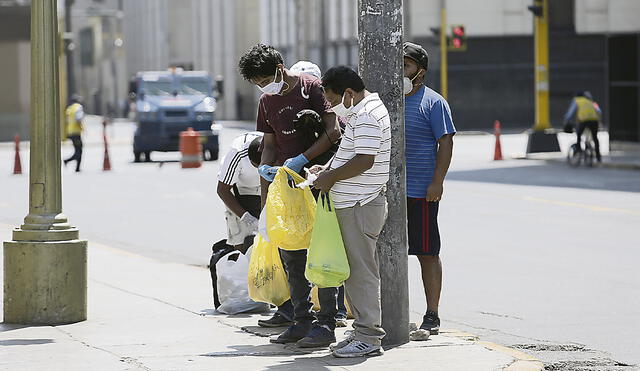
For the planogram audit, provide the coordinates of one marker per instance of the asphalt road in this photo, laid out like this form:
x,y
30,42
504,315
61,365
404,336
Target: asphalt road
x,y
538,256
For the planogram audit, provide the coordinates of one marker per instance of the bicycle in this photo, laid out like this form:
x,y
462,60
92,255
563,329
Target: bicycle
x,y
585,155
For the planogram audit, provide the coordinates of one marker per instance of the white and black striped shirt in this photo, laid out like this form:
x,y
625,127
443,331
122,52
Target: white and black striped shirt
x,y
367,132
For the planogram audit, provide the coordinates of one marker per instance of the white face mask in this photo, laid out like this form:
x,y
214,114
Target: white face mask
x,y
273,87
341,110
407,83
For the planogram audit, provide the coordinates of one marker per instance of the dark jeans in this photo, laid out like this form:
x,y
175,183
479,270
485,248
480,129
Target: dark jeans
x,y
77,150
286,309
593,127
294,263
342,308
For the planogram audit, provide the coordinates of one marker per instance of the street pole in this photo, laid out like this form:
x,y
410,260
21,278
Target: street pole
x,y
45,265
541,41
444,82
381,67
300,49
71,82
540,139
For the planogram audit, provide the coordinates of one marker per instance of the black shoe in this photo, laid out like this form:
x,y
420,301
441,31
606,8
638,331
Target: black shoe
x,y
431,322
292,334
318,337
277,320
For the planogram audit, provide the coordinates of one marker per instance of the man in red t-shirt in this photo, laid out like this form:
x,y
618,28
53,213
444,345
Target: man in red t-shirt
x,y
284,95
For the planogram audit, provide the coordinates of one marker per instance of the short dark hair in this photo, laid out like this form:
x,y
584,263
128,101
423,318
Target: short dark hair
x,y
339,78
254,151
260,60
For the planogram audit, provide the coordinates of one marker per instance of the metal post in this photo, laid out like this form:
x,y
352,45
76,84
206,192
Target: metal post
x,y
45,265
540,138
541,40
444,82
381,67
71,81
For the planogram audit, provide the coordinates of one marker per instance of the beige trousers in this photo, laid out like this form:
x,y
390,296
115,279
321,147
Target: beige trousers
x,y
360,227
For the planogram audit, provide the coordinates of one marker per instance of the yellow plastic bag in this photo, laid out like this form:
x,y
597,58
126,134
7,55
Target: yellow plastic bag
x,y
267,278
327,263
290,212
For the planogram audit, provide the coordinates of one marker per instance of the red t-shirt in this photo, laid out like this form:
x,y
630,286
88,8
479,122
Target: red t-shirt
x,y
277,112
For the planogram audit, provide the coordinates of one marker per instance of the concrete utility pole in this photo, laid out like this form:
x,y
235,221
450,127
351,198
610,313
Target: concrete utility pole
x,y
45,265
381,67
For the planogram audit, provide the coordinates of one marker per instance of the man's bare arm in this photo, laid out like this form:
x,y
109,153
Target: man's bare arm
x,y
269,156
325,142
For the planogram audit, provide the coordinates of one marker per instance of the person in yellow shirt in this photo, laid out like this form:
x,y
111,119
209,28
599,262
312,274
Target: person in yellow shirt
x,y
587,114
74,115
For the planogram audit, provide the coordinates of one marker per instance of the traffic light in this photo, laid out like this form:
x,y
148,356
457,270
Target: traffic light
x,y
537,8
458,41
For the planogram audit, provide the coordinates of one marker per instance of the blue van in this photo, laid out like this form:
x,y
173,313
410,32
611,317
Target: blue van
x,y
169,102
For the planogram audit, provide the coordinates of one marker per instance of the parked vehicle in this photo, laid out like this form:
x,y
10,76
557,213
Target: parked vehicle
x,y
169,102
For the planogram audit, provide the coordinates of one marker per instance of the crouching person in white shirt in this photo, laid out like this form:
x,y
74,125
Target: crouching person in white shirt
x,y
239,188
356,178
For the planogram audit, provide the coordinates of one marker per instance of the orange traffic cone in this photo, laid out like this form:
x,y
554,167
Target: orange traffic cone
x,y
497,154
106,164
17,165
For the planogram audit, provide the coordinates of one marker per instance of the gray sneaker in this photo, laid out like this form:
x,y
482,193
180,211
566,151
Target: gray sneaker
x,y
357,348
345,342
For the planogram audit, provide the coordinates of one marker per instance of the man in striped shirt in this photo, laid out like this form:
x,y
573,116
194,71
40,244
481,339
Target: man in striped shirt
x,y
356,177
429,134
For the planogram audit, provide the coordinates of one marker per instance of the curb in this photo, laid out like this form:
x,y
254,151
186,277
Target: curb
x,y
563,159
523,361
606,165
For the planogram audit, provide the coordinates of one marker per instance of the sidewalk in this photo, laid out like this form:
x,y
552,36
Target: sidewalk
x,y
149,315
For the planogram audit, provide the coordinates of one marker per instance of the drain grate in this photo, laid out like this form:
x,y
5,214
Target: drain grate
x,y
587,365
552,347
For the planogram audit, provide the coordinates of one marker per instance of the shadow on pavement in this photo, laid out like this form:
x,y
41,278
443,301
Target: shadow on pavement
x,y
25,342
554,175
6,327
316,363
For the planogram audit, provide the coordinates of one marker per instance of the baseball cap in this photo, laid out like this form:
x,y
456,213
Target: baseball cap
x,y
417,53
306,67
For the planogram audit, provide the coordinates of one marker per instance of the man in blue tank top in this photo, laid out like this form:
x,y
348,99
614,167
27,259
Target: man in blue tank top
x,y
429,134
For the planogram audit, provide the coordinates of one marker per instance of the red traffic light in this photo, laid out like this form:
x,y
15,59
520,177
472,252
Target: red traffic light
x,y
458,40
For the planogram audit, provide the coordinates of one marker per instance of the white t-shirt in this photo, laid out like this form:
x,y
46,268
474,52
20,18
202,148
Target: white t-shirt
x,y
367,132
236,168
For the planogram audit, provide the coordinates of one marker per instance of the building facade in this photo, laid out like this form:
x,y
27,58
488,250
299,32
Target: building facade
x,y
15,58
594,45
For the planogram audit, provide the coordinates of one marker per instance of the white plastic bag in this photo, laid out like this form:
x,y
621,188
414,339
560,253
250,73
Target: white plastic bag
x,y
262,224
233,289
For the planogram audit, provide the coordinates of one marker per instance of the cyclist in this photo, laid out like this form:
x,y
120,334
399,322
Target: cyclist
x,y
588,114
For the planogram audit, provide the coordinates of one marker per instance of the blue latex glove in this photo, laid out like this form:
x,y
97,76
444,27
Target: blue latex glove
x,y
267,172
296,163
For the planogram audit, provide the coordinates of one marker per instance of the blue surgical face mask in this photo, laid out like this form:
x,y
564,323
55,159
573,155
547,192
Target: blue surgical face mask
x,y
273,87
